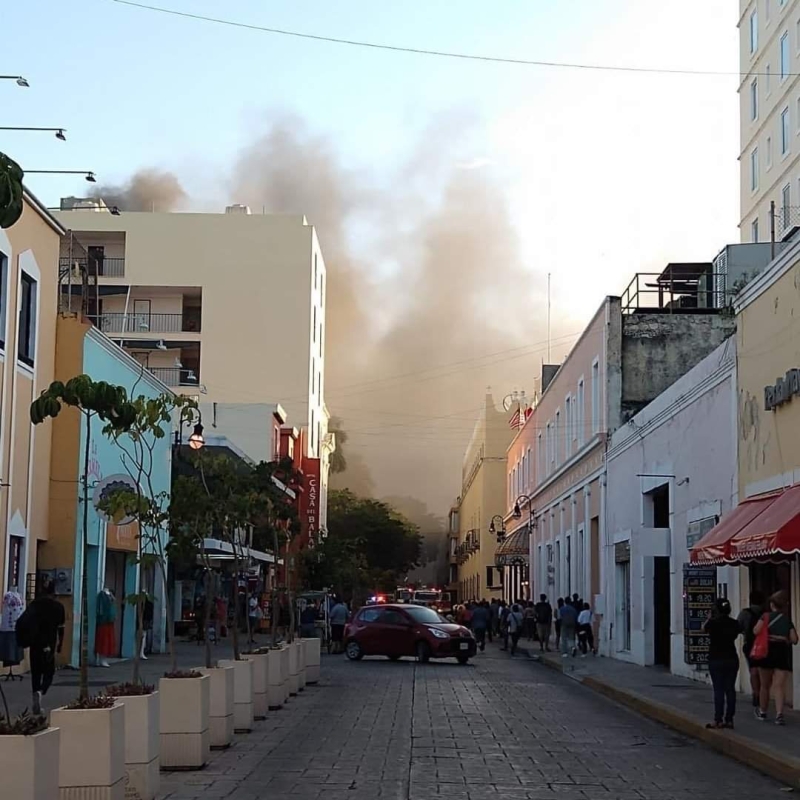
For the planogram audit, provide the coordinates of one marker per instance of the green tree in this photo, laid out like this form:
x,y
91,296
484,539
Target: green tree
x,y
11,205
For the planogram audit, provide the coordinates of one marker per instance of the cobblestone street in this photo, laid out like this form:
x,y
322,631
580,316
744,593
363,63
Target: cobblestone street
x,y
496,728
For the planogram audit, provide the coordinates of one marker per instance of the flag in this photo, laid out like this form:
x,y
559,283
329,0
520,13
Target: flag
x,y
516,420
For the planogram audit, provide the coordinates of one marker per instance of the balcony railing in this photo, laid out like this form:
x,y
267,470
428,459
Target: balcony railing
x,y
104,267
175,376
119,322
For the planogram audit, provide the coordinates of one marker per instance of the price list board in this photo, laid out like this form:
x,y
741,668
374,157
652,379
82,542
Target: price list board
x,y
699,595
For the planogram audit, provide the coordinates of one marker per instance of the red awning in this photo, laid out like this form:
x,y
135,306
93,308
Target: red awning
x,y
776,532
714,547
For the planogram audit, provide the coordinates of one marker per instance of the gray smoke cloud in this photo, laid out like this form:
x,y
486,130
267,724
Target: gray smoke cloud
x,y
147,190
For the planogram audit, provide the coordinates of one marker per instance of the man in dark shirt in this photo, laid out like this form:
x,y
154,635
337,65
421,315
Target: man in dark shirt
x,y
543,613
723,662
47,627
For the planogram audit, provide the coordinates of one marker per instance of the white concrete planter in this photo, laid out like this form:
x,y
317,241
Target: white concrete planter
x,y
301,664
91,762
284,651
242,694
312,647
28,765
294,670
275,697
260,669
221,708
142,743
185,734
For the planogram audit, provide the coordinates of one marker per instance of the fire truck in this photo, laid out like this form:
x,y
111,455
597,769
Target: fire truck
x,y
425,596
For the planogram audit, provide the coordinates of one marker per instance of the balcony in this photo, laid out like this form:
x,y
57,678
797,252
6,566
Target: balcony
x,y
175,376
103,267
119,322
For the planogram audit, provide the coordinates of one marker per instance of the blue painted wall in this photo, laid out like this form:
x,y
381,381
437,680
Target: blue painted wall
x,y
104,361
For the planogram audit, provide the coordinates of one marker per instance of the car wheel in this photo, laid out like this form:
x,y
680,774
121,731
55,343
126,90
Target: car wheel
x,y
354,651
393,658
423,651
463,659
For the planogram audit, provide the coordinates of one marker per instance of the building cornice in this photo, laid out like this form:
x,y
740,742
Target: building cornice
x,y
764,280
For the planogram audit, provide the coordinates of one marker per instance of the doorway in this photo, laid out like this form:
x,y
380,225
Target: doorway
x,y
623,605
115,581
662,603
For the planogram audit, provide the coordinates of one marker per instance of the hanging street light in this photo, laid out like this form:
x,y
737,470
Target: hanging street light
x,y
59,132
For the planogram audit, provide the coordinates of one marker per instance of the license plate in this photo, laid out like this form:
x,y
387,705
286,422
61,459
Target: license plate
x,y
464,645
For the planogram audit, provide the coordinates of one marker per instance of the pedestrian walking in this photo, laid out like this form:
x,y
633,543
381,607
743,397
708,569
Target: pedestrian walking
x,y
308,621
529,621
516,621
585,633
503,623
559,606
723,661
543,613
480,623
569,623
254,615
493,613
748,619
776,666
338,619
41,628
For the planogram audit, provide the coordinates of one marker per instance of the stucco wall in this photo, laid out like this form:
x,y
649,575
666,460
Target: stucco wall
x,y
685,436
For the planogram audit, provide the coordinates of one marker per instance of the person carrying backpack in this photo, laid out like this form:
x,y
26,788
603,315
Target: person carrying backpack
x,y
41,628
515,623
747,619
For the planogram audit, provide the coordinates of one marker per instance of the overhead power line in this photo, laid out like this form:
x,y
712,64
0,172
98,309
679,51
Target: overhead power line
x,y
420,51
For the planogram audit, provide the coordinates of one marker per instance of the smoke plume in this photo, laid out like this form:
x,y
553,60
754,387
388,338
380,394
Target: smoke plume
x,y
147,190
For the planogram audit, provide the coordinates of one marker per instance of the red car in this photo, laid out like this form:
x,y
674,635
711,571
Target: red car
x,y
406,630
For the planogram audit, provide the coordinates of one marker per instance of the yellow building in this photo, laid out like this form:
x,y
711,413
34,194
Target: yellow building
x,y
483,492
29,252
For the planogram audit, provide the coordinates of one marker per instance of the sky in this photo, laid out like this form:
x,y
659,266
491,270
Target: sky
x,y
601,174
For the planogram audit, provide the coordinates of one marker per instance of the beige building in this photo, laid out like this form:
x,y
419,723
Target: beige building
x,y
769,105
228,307
28,299
483,490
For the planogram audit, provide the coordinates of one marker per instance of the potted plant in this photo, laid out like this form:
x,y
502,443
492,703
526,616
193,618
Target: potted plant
x,y
26,742
92,741
184,720
142,742
222,707
312,659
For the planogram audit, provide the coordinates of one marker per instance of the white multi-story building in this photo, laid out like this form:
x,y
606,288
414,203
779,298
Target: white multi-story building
x,y
227,307
769,106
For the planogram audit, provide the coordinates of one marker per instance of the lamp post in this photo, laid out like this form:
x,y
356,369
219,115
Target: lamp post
x,y
59,132
20,81
88,174
517,514
498,530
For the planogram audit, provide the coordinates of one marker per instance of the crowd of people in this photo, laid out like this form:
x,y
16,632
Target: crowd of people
x,y
569,626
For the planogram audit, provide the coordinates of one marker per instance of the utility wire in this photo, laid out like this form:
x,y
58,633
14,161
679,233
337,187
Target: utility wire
x,y
438,53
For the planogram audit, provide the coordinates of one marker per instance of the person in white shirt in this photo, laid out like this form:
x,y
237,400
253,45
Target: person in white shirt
x,y
515,622
585,634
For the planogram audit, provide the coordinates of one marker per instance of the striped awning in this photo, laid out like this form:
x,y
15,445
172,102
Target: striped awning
x,y
514,549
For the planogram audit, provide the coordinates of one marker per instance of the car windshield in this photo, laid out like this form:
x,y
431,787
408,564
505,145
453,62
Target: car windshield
x,y
426,597
427,615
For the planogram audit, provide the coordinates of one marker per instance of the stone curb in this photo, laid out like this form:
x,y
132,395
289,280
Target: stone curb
x,y
783,768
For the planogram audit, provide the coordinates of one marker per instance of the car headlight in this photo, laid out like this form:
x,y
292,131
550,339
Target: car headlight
x,y
439,634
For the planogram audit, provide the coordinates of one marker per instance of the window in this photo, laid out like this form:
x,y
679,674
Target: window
x,y
785,131
557,437
313,376
319,387
767,10
315,271
754,31
541,456
581,412
769,152
529,477
785,58
797,115
595,396
3,298
550,454
754,99
568,412
312,430
754,230
314,327
754,169
369,614
27,320
489,577
786,200
767,78
797,34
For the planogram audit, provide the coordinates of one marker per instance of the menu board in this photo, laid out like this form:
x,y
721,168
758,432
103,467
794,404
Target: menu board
x,y
699,596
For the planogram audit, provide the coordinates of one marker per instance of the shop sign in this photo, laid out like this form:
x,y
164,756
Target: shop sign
x,y
783,391
622,552
309,499
699,596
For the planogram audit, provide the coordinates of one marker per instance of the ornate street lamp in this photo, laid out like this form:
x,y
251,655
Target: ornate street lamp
x,y
498,530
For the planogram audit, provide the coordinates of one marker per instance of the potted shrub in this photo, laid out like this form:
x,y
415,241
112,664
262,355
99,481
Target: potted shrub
x,y
222,688
92,747
260,682
275,681
294,669
242,693
26,743
184,720
285,679
301,662
141,703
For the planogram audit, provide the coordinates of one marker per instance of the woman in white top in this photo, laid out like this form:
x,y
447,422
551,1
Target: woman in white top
x,y
585,634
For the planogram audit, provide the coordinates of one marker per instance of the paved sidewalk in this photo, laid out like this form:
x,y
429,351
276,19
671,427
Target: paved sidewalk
x,y
686,706
65,685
